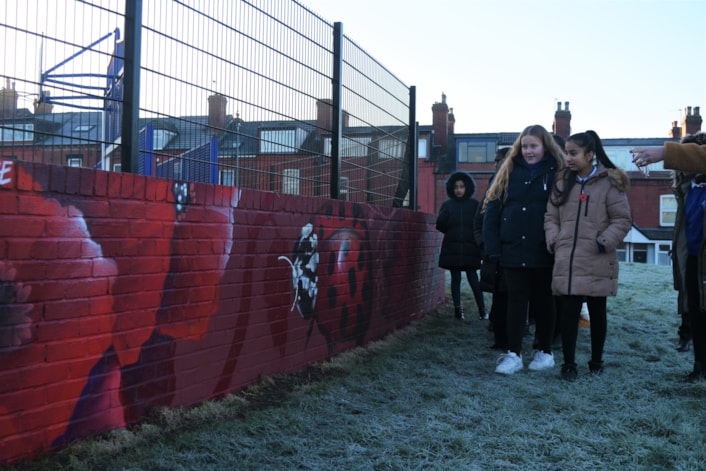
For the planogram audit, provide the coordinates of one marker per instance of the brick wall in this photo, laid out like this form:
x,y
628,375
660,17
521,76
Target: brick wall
x,y
120,293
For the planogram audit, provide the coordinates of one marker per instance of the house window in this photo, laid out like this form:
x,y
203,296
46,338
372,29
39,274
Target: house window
x,y
422,150
290,181
280,141
18,132
117,167
343,189
667,210
161,138
357,147
476,151
74,160
83,127
639,253
177,170
226,177
663,257
391,149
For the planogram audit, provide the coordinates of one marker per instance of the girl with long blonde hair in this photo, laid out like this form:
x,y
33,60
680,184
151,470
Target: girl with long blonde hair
x,y
513,234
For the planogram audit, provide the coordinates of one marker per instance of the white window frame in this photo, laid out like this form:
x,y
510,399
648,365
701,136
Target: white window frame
x,y
74,160
290,181
357,147
667,210
226,177
281,141
161,138
663,257
18,132
423,148
390,148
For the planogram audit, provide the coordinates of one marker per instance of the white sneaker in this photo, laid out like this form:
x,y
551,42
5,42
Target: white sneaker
x,y
509,363
542,361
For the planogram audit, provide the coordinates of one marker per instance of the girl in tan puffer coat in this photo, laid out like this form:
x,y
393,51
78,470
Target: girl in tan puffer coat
x,y
587,218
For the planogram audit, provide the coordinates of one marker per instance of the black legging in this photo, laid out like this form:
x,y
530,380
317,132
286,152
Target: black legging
x,y
473,281
570,311
697,317
525,286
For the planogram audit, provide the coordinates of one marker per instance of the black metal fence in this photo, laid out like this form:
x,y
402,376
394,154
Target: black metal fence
x,y
256,94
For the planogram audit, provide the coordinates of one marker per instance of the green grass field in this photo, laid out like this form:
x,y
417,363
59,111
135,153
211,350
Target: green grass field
x,y
426,398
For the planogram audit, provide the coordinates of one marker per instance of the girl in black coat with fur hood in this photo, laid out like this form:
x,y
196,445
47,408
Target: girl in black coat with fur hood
x,y
459,251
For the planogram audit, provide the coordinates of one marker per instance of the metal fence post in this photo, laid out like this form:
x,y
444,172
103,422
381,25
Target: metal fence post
x,y
336,121
414,137
131,98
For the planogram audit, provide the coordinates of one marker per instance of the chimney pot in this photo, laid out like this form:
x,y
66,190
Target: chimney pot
x,y
697,110
566,105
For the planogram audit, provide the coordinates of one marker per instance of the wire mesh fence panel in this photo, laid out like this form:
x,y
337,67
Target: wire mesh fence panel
x,y
235,93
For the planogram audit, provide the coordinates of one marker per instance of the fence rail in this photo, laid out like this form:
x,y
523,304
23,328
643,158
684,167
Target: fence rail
x,y
249,93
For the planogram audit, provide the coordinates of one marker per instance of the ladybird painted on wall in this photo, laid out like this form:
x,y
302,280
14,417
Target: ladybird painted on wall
x,y
304,264
331,261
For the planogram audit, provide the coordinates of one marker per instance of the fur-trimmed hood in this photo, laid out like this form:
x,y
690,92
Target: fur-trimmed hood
x,y
618,178
467,180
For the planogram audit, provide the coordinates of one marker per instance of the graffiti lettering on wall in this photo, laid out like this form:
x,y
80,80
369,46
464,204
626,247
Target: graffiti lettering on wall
x,y
5,172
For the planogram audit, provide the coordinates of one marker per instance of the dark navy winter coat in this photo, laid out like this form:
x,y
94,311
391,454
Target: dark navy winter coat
x,y
513,229
459,250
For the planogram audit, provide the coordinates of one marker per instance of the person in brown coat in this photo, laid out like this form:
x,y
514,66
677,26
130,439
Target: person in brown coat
x,y
687,157
587,217
688,248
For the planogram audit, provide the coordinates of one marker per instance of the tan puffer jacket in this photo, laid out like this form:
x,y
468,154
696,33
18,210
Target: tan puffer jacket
x,y
597,213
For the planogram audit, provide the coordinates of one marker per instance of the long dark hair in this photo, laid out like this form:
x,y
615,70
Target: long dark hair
x,y
589,142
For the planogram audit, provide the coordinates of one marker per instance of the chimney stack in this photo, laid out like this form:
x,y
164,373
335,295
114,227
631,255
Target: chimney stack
x,y
441,124
8,101
691,123
452,122
43,107
675,132
562,120
217,113
324,116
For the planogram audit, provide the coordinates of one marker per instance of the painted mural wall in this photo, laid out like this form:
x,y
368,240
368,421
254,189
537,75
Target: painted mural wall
x,y
120,293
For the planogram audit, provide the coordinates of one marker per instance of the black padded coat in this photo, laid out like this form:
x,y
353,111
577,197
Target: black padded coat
x,y
459,250
513,228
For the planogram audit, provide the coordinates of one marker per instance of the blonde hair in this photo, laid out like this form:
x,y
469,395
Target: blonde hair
x,y
499,187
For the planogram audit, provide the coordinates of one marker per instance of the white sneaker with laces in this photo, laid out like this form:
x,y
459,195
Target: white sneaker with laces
x,y
542,361
509,363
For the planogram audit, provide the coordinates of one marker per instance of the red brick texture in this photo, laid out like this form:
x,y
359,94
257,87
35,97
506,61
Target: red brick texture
x,y
121,293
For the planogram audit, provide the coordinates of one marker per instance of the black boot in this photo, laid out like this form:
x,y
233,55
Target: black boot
x,y
459,313
683,345
595,367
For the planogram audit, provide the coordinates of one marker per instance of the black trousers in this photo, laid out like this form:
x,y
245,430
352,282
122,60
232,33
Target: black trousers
x,y
525,286
498,317
697,317
570,312
473,282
